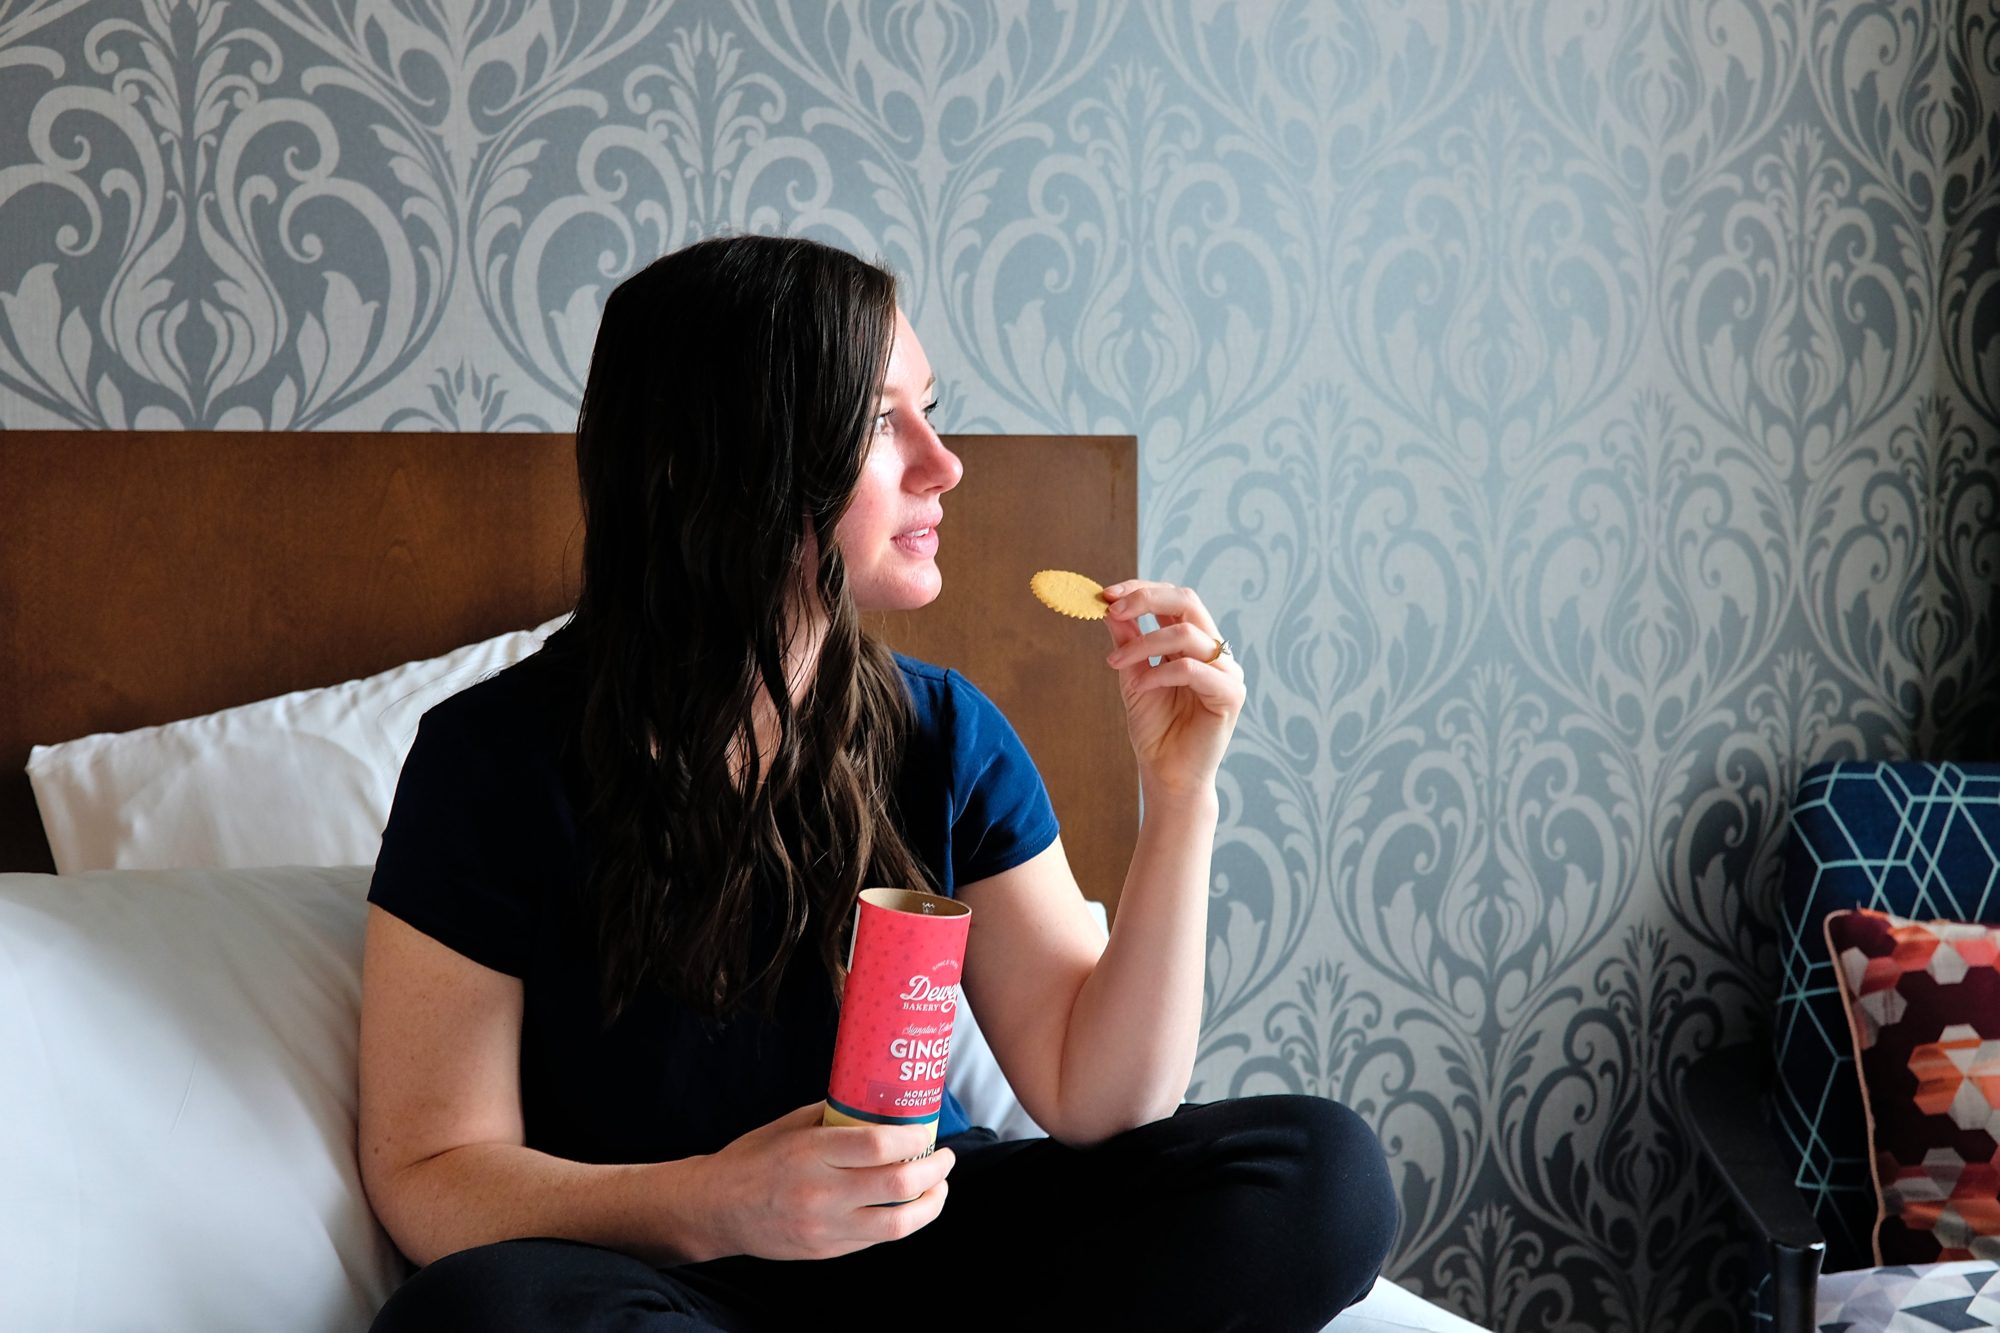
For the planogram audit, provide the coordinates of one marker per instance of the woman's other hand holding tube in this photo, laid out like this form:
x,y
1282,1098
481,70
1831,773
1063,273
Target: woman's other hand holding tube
x,y
797,1189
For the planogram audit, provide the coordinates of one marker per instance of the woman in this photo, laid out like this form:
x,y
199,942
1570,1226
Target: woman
x,y
608,921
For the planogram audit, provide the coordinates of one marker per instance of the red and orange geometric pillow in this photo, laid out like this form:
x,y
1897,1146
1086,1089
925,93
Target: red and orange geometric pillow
x,y
1923,1006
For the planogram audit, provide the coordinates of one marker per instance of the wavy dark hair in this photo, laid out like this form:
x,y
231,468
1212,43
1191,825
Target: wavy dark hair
x,y
722,434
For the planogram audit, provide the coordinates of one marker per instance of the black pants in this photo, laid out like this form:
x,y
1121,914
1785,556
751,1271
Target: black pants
x,y
1257,1213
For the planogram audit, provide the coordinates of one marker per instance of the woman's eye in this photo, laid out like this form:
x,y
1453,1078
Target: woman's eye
x,y
881,422
929,408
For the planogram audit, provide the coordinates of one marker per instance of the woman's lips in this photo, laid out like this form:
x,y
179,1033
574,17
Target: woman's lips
x,y
922,543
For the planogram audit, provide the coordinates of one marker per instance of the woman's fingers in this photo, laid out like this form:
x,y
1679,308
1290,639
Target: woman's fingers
x,y
1181,712
1123,631
868,1145
899,1182
1168,603
1181,640
1211,686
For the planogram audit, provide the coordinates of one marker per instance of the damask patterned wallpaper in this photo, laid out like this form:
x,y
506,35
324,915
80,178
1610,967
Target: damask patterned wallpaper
x,y
1583,417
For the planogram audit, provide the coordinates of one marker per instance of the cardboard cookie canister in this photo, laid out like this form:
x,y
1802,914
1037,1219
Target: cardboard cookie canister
x,y
904,968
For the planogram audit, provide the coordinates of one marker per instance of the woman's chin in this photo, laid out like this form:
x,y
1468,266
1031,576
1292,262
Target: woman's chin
x,y
904,594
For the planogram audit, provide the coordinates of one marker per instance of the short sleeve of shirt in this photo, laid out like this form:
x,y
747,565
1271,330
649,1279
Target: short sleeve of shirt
x,y
1001,815
452,862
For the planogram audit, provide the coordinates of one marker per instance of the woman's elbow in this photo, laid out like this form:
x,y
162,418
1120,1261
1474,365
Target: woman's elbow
x,y
1088,1133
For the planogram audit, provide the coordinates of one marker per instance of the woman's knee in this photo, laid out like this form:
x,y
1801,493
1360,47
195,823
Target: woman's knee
x,y
1345,1198
1322,1188
1285,1199
527,1284
489,1287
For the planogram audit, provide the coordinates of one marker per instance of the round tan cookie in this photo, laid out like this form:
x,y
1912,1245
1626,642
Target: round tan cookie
x,y
1071,594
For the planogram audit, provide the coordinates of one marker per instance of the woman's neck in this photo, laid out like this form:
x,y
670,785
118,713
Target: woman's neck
x,y
801,666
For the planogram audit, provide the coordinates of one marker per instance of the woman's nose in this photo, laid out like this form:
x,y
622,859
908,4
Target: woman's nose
x,y
942,465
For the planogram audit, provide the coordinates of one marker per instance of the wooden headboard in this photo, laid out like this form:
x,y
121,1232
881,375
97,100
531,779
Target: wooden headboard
x,y
147,577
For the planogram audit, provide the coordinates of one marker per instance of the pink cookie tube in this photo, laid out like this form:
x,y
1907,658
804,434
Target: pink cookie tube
x,y
903,986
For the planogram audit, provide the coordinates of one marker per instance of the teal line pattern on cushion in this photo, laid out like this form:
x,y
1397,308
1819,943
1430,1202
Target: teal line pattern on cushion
x,y
1909,838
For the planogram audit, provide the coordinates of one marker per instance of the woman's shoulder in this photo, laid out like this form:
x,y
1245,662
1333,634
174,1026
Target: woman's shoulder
x,y
916,670
933,684
521,700
946,702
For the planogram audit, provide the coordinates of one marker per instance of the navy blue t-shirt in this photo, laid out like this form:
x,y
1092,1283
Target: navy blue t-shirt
x,y
484,852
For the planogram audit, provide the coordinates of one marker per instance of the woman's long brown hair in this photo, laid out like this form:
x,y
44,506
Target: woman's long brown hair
x,y
723,431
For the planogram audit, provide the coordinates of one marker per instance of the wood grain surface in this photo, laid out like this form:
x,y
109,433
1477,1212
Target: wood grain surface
x,y
147,577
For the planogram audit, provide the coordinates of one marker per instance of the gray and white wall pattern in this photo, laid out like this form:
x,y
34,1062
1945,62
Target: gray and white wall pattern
x,y
1582,415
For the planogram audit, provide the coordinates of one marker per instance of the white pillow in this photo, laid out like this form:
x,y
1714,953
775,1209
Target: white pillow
x,y
302,779
177,1113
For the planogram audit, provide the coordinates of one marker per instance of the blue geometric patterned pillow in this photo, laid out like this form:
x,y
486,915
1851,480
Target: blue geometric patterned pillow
x,y
1916,839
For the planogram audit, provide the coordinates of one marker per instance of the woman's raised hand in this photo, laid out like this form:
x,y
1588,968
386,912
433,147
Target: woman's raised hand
x,y
797,1189
1182,712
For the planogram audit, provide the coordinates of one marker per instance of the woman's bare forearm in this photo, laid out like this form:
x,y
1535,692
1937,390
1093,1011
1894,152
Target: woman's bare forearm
x,y
486,1192
1130,1050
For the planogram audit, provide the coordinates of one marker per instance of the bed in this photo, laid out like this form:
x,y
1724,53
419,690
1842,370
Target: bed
x,y
152,579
